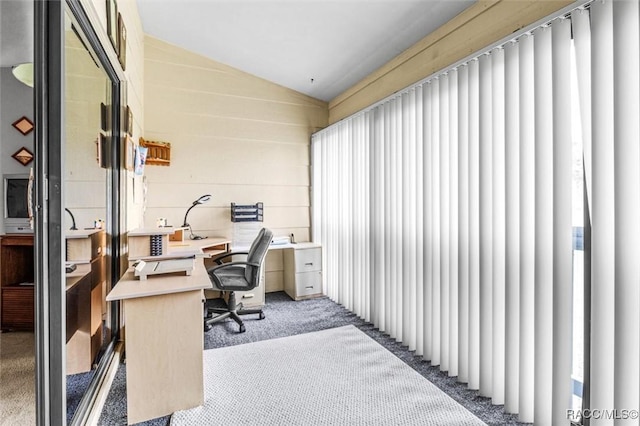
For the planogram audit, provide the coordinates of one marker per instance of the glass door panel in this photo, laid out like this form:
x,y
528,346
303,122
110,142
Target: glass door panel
x,y
87,124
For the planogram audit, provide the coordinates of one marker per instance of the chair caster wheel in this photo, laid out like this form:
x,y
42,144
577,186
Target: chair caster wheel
x,y
242,329
207,327
261,316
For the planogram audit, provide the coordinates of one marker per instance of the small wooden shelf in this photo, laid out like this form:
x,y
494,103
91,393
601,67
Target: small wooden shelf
x,y
158,154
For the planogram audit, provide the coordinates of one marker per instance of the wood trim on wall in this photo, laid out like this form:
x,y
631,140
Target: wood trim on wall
x,y
477,27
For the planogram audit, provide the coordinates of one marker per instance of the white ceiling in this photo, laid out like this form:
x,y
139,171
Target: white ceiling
x,y
16,32
316,47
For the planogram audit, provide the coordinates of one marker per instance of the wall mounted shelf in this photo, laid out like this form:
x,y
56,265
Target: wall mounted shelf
x,y
158,154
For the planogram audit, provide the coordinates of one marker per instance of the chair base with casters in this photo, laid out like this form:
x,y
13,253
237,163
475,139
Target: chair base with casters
x,y
233,310
232,276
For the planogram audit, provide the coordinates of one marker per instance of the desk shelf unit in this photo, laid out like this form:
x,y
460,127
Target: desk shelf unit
x,y
140,240
85,292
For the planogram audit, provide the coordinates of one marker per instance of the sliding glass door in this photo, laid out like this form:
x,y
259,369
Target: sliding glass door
x,y
76,206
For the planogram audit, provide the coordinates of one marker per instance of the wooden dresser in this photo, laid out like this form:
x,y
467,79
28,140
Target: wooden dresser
x,y
16,282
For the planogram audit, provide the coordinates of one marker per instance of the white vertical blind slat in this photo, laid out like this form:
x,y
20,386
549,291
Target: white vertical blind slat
x,y
420,306
388,202
453,226
444,222
512,223
474,225
603,212
626,38
435,213
544,225
562,221
398,280
486,228
498,266
428,220
409,220
527,229
463,224
376,173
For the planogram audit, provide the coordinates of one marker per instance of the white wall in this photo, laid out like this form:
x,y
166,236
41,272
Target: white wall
x,y
16,100
233,135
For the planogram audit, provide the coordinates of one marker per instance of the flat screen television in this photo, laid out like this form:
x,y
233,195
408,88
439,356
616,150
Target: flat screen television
x,y
16,201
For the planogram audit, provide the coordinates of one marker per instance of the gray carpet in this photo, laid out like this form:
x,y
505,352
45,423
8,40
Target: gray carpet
x,y
17,379
329,377
285,317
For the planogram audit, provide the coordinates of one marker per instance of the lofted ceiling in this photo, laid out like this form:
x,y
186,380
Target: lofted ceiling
x,y
316,47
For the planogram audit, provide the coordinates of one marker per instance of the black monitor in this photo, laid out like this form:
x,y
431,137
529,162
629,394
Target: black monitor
x,y
16,199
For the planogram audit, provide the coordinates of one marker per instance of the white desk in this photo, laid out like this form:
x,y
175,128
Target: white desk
x,y
164,337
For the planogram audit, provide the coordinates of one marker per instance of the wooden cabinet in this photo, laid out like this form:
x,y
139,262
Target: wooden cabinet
x,y
16,282
303,271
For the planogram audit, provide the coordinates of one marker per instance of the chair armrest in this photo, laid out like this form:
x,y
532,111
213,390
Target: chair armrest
x,y
221,256
230,264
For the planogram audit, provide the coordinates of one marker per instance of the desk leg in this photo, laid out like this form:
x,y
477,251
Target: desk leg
x,y
164,354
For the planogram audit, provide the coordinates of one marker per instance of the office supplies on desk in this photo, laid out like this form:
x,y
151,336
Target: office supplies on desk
x,y
167,266
280,240
247,212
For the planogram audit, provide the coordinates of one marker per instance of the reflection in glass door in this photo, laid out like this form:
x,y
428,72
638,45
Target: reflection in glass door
x,y
87,124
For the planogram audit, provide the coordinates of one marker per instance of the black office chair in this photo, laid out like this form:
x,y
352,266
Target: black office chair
x,y
237,276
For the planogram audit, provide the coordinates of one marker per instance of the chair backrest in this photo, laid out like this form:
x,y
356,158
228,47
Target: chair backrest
x,y
256,255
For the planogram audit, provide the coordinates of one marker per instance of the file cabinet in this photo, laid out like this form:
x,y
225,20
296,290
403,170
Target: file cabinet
x,y
303,271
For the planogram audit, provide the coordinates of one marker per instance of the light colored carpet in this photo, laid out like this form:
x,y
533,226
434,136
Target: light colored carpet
x,y
17,379
337,376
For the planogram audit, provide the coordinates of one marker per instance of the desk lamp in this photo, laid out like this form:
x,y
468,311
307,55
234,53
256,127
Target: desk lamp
x,y
201,200
73,220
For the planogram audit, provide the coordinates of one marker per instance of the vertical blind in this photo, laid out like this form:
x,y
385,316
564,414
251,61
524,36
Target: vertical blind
x,y
445,214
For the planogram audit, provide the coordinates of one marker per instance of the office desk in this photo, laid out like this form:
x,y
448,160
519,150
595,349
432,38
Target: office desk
x,y
164,337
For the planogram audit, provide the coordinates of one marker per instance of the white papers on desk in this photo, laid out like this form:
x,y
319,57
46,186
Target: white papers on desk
x,y
280,240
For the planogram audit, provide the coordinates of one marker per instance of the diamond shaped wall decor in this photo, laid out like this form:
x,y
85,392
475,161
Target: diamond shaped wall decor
x,y
23,156
23,125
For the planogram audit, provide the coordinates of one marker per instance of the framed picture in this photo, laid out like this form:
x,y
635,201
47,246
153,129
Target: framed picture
x,y
129,153
104,117
122,42
101,151
129,118
112,23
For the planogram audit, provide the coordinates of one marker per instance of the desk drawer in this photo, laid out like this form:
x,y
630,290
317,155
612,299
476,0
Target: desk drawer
x,y
308,283
251,298
307,260
17,307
